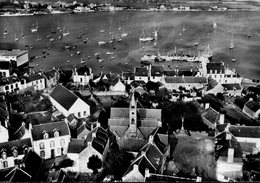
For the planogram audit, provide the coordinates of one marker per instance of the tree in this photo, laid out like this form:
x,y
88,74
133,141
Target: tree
x,y
94,163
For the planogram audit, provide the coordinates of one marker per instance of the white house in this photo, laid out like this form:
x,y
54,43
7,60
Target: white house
x,y
51,139
10,84
20,57
3,134
141,74
96,143
117,85
68,103
12,152
252,109
36,81
51,78
82,75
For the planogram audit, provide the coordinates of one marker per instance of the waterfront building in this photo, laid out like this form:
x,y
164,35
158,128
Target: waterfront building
x,y
51,77
81,75
10,84
96,143
156,73
68,103
252,109
19,57
141,74
12,152
51,140
132,126
36,81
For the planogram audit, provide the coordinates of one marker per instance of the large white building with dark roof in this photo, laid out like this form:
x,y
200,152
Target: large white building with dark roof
x,y
20,57
51,139
68,103
81,75
132,126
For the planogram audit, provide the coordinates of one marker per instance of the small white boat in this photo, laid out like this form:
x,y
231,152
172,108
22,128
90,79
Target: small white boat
x,y
48,36
109,53
65,33
215,25
101,43
232,45
52,39
112,58
5,32
67,47
119,40
102,30
82,60
100,60
143,38
68,61
85,40
96,54
78,52
233,60
34,30
16,38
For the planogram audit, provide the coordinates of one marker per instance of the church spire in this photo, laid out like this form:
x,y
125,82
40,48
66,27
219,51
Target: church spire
x,y
133,115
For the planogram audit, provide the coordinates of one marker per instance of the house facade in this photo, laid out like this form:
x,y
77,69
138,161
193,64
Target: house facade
x,y
51,77
82,75
12,152
51,139
10,84
68,103
141,74
36,81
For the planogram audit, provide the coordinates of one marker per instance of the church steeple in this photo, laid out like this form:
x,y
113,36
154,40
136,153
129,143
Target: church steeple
x,y
133,115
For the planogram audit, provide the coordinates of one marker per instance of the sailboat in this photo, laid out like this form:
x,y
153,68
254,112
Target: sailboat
x,y
215,25
37,25
82,60
16,38
197,42
232,45
119,27
143,38
35,28
65,33
124,34
5,32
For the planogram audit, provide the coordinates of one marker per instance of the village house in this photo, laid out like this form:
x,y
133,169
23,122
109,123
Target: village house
x,y
72,121
228,157
84,129
6,69
117,85
220,73
132,126
128,77
156,73
68,103
188,82
51,78
19,57
81,75
12,152
95,143
22,132
141,74
152,157
233,89
36,81
252,109
10,84
51,139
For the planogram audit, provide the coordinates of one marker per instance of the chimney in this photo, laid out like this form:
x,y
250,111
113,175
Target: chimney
x,y
143,152
221,119
159,123
147,173
151,139
93,135
228,136
90,71
206,105
182,76
230,155
89,143
98,124
91,127
136,167
250,99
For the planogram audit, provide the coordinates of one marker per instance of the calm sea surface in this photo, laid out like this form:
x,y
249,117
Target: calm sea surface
x,y
175,29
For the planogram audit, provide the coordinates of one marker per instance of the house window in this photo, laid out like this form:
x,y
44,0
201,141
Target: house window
x,y
4,155
5,164
7,87
45,135
52,144
16,85
36,82
41,145
12,86
42,153
132,121
62,142
56,133
59,151
40,81
79,114
15,153
85,113
25,149
4,74
81,80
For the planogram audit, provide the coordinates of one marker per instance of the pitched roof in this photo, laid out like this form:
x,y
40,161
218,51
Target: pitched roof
x,y
141,71
63,96
34,77
50,74
169,73
9,80
4,65
18,175
82,70
219,67
20,132
75,145
20,146
157,70
187,73
210,115
232,86
61,127
127,75
85,126
252,105
71,117
185,79
245,131
12,52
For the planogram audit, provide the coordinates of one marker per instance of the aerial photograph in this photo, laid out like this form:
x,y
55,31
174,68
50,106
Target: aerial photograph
x,y
129,90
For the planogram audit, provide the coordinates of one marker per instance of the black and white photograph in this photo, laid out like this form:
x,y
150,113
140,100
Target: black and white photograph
x,y
129,90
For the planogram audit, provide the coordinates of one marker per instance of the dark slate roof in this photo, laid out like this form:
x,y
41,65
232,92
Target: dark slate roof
x,y
157,70
4,65
50,74
115,80
32,164
71,117
211,115
82,70
34,77
141,71
19,144
127,75
85,126
245,131
18,175
75,145
9,80
187,73
233,86
169,73
219,66
37,130
20,132
185,79
252,105
63,96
